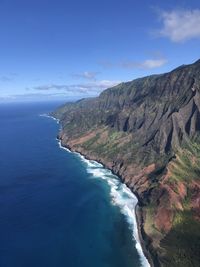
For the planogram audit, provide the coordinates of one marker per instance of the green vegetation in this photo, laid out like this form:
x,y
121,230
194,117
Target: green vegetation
x,y
144,122
109,143
149,225
182,243
186,166
91,141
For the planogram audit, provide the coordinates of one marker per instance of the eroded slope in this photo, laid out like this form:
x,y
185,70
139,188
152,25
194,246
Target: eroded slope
x,y
146,131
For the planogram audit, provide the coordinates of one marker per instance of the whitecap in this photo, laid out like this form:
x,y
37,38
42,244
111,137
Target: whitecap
x,y
51,117
121,196
62,147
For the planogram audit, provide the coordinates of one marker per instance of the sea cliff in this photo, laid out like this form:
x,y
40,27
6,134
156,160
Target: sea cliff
x,y
139,219
147,132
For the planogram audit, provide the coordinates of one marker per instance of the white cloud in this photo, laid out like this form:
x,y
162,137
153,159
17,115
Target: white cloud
x,y
153,63
180,25
146,64
89,75
90,88
36,97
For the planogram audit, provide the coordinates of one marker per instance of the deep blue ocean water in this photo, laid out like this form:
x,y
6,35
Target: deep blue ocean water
x,y
55,210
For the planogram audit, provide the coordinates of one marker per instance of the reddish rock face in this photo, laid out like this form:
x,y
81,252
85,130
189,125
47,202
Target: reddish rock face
x,y
163,219
136,129
182,190
195,202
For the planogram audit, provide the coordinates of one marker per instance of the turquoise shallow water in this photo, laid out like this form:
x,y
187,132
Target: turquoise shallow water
x,y
58,209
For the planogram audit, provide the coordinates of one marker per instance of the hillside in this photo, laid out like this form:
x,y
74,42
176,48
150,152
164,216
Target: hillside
x,y
147,132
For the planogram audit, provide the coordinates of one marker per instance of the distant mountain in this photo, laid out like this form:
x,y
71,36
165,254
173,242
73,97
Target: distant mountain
x,y
147,131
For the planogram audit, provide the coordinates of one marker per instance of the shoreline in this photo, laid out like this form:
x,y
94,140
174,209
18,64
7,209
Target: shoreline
x,y
138,217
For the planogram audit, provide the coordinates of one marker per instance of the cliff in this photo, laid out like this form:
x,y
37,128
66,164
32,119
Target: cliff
x,y
147,132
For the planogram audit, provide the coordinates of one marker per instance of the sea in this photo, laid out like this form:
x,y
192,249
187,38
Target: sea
x,y
58,209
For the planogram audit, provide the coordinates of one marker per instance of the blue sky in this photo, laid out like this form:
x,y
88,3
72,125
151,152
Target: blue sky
x,y
56,49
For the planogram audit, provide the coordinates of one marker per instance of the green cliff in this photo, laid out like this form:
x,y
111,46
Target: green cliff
x,y
147,132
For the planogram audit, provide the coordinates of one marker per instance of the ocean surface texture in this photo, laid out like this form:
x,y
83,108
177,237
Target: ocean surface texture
x,y
58,209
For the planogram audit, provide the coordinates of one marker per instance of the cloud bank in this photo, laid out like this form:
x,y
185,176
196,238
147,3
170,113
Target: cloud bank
x,y
147,64
30,97
90,88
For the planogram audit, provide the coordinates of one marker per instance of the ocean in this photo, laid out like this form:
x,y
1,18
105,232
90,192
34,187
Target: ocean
x,y
58,209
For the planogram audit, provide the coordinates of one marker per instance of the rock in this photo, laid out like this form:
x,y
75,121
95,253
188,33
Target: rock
x,y
138,130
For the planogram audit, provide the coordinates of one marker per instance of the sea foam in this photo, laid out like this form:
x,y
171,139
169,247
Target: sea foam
x,y
121,196
51,117
62,147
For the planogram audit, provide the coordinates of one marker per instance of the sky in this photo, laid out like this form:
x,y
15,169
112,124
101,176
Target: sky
x,y
64,49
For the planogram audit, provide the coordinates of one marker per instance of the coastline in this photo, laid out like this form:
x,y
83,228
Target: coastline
x,y
138,216
50,117
144,243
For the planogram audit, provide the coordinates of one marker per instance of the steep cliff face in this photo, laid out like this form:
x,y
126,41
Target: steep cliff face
x,y
146,131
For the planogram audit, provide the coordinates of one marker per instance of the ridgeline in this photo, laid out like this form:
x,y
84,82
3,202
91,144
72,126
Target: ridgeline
x,y
147,132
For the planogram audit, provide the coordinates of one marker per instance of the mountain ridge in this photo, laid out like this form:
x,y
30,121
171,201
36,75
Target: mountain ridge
x,y
146,131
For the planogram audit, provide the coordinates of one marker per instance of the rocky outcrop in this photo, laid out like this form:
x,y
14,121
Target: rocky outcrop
x,y
146,131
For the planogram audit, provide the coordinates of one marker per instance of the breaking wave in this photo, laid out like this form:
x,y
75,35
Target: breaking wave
x,y
51,117
121,196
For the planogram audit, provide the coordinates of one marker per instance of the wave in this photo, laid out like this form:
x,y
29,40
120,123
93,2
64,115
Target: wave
x,y
51,117
62,147
121,196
